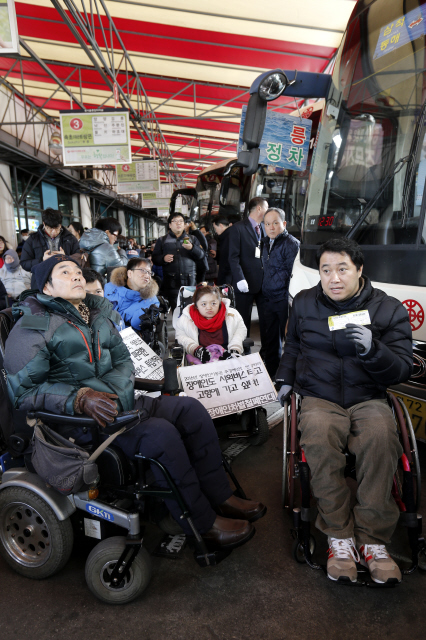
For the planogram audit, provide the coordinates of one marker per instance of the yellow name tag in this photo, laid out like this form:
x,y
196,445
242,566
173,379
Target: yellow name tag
x,y
355,317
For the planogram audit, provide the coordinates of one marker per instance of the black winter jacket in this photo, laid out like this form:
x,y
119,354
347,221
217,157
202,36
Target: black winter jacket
x,y
182,271
224,275
278,265
36,245
324,364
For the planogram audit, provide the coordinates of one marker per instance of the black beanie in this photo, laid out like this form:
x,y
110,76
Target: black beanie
x,y
42,270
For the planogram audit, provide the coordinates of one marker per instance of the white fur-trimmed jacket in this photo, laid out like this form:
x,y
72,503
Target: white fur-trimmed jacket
x,y
187,332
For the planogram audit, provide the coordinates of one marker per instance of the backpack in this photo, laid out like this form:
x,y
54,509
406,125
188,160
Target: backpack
x,y
82,257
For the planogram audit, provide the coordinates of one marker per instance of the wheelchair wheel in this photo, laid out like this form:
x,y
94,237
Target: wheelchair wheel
x,y
298,552
32,539
102,561
261,429
290,450
409,444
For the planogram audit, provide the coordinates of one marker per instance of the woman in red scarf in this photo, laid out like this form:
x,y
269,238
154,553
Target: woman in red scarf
x,y
209,329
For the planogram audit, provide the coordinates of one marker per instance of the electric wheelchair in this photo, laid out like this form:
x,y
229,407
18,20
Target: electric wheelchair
x,y
38,524
251,423
296,491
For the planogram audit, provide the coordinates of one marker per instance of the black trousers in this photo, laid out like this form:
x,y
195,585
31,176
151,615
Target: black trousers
x,y
244,305
275,316
180,434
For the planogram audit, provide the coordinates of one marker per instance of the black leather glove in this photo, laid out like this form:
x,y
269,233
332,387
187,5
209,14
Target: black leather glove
x,y
226,355
146,324
202,354
98,405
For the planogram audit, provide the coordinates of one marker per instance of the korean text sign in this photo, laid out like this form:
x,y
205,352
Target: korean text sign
x,y
400,31
285,140
228,386
146,362
95,137
138,177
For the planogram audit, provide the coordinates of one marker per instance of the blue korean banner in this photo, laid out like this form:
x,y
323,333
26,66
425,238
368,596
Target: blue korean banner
x,y
401,31
285,140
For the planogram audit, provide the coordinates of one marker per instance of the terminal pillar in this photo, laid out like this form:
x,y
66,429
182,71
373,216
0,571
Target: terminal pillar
x,y
86,213
122,221
7,213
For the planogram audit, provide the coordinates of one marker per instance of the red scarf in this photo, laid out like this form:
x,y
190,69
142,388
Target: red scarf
x,y
208,324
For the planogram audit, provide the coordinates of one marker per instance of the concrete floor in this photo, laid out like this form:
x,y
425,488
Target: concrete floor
x,y
258,592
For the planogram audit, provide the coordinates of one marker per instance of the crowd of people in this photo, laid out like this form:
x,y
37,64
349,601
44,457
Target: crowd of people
x,y
90,285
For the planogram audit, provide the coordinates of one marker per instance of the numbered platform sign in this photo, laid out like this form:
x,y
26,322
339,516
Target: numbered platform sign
x,y
95,137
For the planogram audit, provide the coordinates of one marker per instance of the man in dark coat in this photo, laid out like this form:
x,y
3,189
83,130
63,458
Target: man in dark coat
x,y
346,343
245,261
279,250
66,356
222,228
51,238
179,254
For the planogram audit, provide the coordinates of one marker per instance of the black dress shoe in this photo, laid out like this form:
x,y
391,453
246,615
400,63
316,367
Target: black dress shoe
x,y
228,534
236,507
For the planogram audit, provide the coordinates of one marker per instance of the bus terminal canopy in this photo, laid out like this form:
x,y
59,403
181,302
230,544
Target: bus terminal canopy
x,y
183,68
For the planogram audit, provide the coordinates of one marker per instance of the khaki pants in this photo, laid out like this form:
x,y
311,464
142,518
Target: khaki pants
x,y
369,432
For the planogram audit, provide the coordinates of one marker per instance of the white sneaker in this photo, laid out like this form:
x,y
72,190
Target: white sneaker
x,y
380,565
342,555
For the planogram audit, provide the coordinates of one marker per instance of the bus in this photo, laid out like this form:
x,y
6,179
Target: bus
x,y
368,170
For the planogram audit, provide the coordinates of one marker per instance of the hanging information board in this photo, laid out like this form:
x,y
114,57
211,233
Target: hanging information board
x,y
227,386
138,177
95,137
9,39
153,201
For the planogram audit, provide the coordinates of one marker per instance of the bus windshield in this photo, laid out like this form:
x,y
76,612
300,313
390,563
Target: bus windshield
x,y
373,118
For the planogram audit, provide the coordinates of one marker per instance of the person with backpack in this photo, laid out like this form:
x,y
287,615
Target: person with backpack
x,y
179,254
98,242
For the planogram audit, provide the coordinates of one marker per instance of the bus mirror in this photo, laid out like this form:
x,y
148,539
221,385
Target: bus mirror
x,y
224,188
255,121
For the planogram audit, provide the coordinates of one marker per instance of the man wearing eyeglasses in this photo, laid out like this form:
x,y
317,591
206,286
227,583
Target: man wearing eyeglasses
x,y
132,290
99,243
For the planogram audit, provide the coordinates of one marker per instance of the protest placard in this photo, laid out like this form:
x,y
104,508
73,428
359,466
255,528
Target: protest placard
x,y
227,386
147,364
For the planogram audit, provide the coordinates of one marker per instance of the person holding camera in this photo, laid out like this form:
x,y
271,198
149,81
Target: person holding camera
x,y
179,254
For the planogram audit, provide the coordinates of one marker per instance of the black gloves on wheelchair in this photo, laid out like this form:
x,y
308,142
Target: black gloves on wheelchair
x,y
202,354
226,355
98,405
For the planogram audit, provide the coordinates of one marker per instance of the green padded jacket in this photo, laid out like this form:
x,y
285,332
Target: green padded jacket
x,y
51,353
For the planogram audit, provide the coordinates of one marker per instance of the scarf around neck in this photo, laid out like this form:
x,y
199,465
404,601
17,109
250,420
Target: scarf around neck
x,y
208,324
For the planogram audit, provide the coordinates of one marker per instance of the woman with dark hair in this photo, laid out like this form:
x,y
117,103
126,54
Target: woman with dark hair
x,y
3,247
76,228
209,329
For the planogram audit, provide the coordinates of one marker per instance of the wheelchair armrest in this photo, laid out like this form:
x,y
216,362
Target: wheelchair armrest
x,y
143,384
247,343
82,421
77,420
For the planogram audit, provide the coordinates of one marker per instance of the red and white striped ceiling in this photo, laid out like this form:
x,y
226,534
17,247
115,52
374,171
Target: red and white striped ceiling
x,y
210,53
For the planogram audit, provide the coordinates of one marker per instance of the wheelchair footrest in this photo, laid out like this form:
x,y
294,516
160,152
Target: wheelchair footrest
x,y
214,557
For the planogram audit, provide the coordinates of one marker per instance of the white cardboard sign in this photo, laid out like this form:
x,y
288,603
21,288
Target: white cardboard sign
x,y
227,386
147,364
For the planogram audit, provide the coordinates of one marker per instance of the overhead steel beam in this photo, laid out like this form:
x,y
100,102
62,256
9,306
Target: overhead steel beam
x,y
82,26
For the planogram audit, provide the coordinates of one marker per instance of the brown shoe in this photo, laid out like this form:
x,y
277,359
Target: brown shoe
x,y
228,534
236,507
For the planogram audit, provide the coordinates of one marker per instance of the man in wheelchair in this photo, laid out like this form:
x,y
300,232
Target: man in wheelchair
x,y
65,355
346,343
